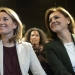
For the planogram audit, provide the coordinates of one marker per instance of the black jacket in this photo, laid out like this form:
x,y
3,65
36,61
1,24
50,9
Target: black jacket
x,y
58,58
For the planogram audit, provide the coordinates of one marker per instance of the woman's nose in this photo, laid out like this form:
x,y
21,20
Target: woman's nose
x,y
1,22
53,20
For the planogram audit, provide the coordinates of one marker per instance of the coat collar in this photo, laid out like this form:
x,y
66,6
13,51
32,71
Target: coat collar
x,y
20,52
1,57
63,53
73,38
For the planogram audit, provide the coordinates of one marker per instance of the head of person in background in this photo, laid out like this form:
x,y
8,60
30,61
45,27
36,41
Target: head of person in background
x,y
36,37
57,20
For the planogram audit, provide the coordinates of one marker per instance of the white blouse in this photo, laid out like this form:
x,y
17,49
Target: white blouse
x,y
70,48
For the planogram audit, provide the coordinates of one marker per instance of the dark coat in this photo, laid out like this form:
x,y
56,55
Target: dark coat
x,y
58,58
42,58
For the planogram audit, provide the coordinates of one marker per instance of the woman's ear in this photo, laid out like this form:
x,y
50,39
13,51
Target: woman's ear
x,y
68,20
15,25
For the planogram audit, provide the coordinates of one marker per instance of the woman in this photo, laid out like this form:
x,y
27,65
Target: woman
x,y
37,38
60,51
16,57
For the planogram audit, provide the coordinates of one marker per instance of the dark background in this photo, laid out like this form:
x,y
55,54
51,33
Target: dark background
x,y
32,12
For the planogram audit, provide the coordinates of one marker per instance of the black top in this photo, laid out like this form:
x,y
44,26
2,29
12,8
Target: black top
x,y
10,61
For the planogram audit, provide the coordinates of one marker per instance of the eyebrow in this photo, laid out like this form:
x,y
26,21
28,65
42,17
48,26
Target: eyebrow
x,y
54,16
5,17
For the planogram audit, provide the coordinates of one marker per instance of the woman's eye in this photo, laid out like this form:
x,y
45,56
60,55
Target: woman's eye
x,y
56,17
37,35
34,35
50,20
5,19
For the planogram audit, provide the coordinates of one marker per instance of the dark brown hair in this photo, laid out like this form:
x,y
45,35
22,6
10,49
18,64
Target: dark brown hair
x,y
43,37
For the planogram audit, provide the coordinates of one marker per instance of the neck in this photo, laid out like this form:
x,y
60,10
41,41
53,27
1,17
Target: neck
x,y
35,45
6,42
65,38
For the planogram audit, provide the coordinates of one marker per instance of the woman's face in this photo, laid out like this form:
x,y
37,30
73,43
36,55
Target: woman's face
x,y
7,25
58,22
35,38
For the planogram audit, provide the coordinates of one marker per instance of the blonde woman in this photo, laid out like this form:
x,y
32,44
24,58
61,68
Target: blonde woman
x,y
16,57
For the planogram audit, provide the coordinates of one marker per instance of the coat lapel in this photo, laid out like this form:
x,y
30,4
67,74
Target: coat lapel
x,y
22,57
1,58
73,37
63,54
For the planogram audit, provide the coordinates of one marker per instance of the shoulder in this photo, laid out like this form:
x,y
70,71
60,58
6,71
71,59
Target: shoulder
x,y
49,42
53,43
48,45
25,44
